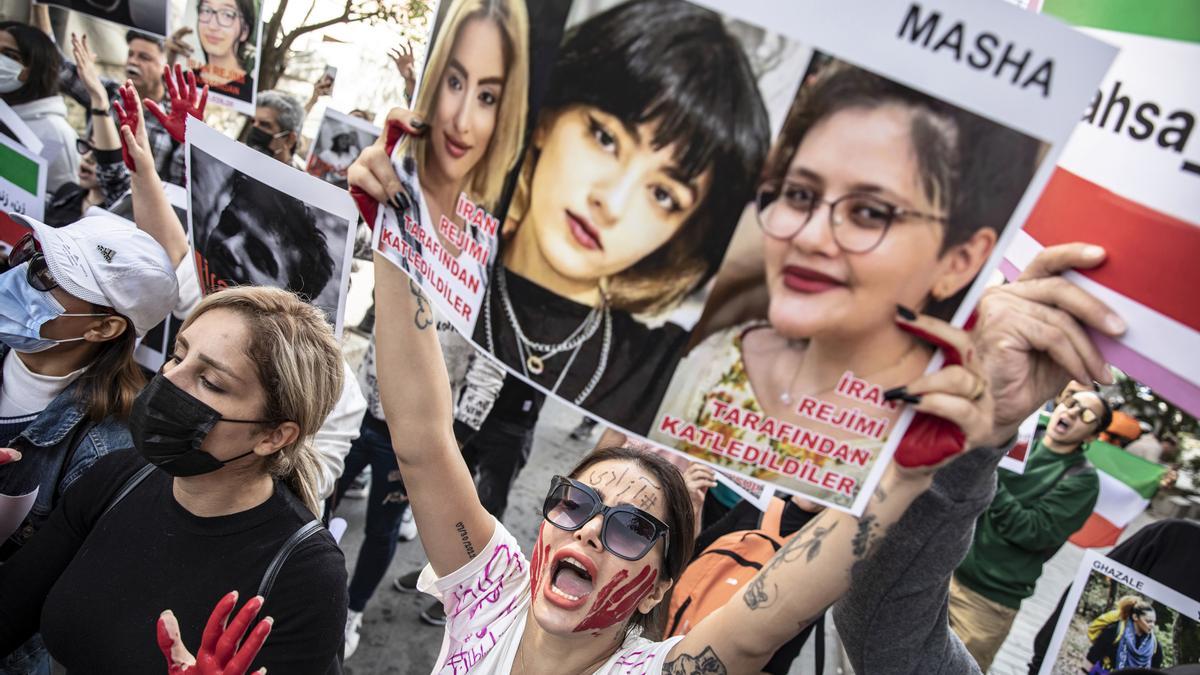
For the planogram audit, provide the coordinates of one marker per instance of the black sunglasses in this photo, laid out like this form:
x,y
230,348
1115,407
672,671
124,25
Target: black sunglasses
x,y
38,275
83,147
627,531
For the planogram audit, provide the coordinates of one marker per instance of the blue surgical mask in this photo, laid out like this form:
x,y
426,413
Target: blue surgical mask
x,y
23,310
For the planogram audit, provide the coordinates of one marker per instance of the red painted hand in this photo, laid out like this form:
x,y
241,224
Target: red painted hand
x,y
185,100
219,653
127,116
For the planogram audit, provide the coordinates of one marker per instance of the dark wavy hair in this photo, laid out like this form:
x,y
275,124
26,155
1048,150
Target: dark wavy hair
x,y
39,54
974,168
672,63
679,517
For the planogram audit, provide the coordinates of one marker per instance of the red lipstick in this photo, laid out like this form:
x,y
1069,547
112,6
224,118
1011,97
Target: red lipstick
x,y
806,280
583,232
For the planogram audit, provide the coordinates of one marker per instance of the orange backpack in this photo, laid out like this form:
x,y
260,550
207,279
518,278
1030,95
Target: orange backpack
x,y
723,569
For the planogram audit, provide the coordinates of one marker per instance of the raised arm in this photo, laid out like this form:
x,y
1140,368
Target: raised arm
x,y
1031,339
812,570
151,209
414,389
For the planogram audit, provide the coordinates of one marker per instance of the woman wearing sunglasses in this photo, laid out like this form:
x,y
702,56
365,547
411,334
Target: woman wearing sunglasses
x,y
617,532
72,305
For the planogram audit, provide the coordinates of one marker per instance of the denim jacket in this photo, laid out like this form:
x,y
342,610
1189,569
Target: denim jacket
x,y
48,462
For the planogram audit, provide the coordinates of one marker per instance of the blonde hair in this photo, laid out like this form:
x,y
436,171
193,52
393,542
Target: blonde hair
x,y
486,180
299,365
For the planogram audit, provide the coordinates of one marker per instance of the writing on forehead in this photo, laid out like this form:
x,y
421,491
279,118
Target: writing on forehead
x,y
637,490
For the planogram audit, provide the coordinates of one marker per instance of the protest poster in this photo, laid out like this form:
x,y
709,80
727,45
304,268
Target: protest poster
x,y
225,41
1028,434
634,264
1115,618
340,139
1133,167
147,16
14,127
255,220
22,180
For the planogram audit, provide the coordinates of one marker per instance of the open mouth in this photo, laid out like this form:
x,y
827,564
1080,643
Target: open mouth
x,y
570,582
132,72
1062,426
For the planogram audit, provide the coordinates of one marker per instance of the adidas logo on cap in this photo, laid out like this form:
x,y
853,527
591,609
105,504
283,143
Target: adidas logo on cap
x,y
108,253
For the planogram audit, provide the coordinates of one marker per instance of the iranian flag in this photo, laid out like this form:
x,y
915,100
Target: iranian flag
x,y
1129,180
1127,482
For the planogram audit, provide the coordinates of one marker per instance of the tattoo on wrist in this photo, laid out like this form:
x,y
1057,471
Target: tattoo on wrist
x,y
866,536
424,315
466,540
757,594
705,663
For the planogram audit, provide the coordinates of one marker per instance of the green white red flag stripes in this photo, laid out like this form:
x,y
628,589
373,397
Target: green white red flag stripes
x,y
1127,483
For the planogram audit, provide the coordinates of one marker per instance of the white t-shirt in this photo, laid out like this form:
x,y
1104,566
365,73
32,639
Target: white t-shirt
x,y
25,392
487,601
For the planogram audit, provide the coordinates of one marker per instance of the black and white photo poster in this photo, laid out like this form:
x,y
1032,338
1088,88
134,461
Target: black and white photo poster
x,y
1116,618
340,139
147,16
255,220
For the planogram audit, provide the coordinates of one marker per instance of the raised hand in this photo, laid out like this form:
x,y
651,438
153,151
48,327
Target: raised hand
x,y
219,653
135,146
176,46
372,178
85,66
402,56
185,100
954,405
1031,335
698,478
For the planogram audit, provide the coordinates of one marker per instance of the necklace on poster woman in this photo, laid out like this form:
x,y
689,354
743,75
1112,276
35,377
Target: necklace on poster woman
x,y
533,356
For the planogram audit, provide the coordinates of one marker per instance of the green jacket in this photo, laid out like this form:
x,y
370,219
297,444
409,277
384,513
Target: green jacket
x,y
1029,519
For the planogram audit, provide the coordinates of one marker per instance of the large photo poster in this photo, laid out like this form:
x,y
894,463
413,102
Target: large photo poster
x,y
720,273
148,16
1116,618
255,220
225,42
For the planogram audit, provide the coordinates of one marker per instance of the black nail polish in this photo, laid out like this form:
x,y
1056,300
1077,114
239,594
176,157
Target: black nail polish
x,y
906,313
400,202
901,393
418,125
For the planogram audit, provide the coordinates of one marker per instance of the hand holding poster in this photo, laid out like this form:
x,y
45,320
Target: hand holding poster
x,y
1129,180
225,48
249,223
894,157
1116,618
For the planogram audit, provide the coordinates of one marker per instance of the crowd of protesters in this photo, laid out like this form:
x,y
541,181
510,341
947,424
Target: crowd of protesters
x,y
174,508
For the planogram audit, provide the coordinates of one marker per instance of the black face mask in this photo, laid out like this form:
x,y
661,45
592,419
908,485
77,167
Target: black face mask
x,y
260,140
168,425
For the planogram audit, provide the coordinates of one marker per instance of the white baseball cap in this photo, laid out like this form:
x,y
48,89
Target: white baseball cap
x,y
109,262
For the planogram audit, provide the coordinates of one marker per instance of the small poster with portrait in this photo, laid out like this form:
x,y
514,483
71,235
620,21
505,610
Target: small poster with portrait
x,y
695,221
254,220
340,139
22,180
1115,618
225,41
147,16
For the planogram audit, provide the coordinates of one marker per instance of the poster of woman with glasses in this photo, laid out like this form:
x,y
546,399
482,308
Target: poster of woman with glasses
x,y
225,44
877,200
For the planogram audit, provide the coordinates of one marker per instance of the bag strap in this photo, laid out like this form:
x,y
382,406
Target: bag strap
x,y
307,530
772,520
134,481
819,646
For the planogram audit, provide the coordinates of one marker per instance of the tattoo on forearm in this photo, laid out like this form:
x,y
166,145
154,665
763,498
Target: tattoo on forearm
x,y
866,536
424,316
466,540
757,594
705,663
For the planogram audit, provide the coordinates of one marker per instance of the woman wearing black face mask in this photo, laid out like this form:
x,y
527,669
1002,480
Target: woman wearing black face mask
x,y
226,427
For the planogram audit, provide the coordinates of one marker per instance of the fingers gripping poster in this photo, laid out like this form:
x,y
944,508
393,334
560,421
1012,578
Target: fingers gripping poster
x,y
695,220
